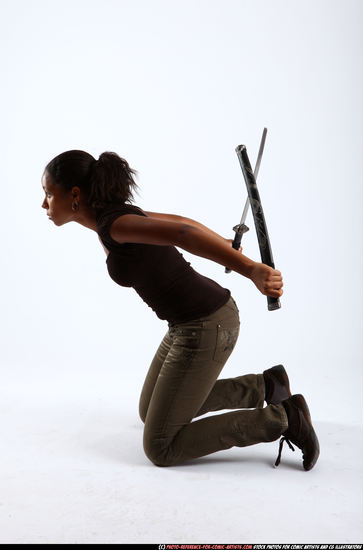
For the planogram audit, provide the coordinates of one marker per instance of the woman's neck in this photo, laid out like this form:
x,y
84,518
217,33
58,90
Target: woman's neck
x,y
87,218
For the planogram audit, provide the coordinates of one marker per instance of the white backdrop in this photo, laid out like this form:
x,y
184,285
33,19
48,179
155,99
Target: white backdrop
x,y
173,87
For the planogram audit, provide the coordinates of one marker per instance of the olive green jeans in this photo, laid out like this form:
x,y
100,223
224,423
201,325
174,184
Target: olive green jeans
x,y
182,384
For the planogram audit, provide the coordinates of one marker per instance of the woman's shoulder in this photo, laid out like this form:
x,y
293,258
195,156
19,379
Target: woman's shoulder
x,y
113,210
107,214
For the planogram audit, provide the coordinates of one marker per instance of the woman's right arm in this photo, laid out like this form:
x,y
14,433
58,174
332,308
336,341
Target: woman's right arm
x,y
267,279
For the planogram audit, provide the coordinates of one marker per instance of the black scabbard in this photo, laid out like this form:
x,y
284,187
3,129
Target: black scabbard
x,y
258,216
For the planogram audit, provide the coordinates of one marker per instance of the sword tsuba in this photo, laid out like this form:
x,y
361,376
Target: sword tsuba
x,y
241,228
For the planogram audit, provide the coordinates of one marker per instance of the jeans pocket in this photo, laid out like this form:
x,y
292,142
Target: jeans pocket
x,y
225,342
186,336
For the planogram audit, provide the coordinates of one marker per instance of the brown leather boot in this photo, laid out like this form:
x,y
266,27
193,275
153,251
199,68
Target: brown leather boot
x,y
300,431
277,385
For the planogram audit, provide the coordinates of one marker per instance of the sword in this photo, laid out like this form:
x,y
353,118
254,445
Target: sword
x,y
258,216
242,228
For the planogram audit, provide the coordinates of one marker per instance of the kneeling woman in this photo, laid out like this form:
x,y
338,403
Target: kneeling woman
x,y
203,320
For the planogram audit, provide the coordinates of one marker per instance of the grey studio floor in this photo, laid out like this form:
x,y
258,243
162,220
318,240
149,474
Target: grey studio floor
x,y
73,471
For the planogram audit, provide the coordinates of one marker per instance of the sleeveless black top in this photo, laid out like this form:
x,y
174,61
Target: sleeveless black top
x,y
159,274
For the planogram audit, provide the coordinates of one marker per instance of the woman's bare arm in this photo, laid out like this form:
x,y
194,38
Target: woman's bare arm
x,y
182,219
148,230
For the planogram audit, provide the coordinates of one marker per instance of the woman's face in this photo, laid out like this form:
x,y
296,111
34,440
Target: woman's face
x,y
57,202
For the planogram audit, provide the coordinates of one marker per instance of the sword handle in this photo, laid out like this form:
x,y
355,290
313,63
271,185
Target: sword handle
x,y
239,229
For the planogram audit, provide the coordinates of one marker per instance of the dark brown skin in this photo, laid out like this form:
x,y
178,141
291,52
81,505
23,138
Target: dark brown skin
x,y
162,229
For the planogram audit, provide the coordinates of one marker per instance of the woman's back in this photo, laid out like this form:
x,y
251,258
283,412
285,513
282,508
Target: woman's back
x,y
159,274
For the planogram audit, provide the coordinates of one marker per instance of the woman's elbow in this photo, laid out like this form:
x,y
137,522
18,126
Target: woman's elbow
x,y
184,235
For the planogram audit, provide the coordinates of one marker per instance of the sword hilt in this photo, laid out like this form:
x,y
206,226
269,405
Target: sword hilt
x,y
240,228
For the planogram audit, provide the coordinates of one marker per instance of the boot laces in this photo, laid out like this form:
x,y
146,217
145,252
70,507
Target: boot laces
x,y
282,441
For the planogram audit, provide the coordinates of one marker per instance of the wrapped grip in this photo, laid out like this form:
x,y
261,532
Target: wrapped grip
x,y
239,229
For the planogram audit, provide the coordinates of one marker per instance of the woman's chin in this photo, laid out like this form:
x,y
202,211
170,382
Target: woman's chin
x,y
60,222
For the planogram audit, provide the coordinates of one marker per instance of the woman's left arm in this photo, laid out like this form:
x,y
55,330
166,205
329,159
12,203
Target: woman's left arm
x,y
188,221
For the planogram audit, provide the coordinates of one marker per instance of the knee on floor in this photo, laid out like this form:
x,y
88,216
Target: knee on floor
x,y
158,453
142,414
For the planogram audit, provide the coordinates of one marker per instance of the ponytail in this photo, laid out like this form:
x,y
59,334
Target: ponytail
x,y
107,180
111,181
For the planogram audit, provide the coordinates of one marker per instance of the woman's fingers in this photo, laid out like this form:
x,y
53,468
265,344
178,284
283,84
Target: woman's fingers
x,y
274,293
274,284
268,280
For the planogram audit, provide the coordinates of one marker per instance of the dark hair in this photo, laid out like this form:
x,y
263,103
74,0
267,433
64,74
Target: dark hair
x,y
106,180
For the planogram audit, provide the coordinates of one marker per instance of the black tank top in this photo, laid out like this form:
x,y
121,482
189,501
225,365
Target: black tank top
x,y
159,274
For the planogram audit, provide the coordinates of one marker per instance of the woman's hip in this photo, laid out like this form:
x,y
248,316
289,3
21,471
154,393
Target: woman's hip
x,y
213,335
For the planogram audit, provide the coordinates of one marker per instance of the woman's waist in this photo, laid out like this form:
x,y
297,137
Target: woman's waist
x,y
226,312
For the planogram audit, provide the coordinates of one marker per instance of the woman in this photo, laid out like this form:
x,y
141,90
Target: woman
x,y
203,320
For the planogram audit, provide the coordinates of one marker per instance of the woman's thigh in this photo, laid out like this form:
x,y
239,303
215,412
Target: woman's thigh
x,y
198,351
152,375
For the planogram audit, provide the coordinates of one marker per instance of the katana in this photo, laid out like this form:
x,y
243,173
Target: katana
x,y
257,210
242,228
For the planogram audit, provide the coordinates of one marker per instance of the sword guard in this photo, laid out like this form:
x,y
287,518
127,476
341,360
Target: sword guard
x,y
241,228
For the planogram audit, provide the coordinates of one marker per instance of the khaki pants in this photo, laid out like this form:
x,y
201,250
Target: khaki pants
x,y
182,384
